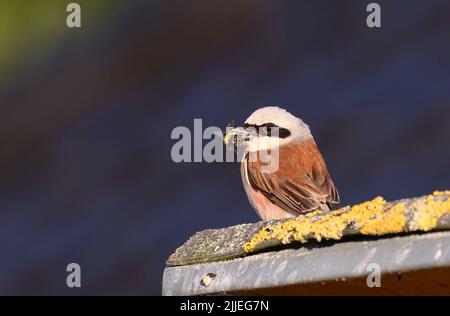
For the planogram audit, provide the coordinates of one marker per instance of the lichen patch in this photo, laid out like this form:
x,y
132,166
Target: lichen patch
x,y
375,217
430,211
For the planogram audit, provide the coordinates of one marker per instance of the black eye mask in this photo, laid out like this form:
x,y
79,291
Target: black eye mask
x,y
266,129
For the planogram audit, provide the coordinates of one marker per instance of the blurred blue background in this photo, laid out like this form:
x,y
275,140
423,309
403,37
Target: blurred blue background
x,y
86,116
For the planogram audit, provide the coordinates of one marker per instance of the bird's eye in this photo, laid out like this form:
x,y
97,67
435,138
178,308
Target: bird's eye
x,y
269,125
267,128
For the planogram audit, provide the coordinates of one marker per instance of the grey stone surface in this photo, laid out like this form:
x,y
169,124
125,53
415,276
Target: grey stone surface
x,y
424,213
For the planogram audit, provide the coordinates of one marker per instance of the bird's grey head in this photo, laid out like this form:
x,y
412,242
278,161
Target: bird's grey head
x,y
271,126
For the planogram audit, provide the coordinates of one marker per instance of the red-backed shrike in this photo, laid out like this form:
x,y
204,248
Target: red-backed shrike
x,y
301,183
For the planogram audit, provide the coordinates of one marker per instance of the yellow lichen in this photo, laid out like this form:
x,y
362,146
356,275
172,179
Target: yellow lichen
x,y
445,192
298,229
430,211
375,217
327,226
361,213
392,221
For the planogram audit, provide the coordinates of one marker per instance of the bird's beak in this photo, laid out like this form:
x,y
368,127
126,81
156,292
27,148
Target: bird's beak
x,y
235,136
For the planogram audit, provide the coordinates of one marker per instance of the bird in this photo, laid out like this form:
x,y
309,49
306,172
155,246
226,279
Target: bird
x,y
301,182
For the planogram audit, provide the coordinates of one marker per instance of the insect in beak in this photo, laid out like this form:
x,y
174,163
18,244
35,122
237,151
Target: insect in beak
x,y
234,135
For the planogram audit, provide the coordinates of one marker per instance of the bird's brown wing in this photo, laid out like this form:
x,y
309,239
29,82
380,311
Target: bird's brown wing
x,y
300,185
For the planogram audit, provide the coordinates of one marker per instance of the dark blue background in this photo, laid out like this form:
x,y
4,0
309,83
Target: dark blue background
x,y
85,168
